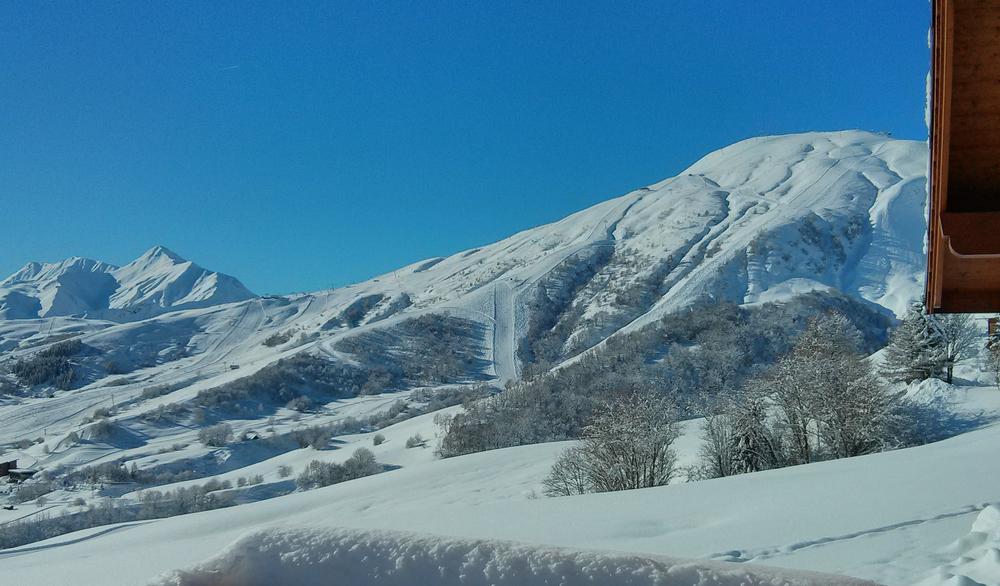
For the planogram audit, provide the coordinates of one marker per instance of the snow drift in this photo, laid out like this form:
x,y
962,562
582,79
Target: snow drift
x,y
308,557
977,555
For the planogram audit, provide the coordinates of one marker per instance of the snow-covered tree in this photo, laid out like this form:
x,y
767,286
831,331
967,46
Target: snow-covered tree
x,y
752,447
569,475
993,356
958,334
716,451
826,395
854,414
628,442
626,446
916,350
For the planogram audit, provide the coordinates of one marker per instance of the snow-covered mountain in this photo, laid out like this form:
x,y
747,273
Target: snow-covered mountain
x,y
160,349
157,282
762,220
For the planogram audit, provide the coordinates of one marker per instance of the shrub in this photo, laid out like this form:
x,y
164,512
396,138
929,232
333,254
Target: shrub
x,y
156,391
415,441
217,435
316,437
284,471
626,446
378,439
692,357
361,463
102,429
300,403
30,491
278,339
318,474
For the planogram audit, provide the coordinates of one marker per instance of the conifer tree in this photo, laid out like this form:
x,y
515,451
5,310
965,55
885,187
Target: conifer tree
x,y
916,350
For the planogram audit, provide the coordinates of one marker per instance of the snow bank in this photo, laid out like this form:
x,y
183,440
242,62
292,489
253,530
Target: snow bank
x,y
977,555
360,558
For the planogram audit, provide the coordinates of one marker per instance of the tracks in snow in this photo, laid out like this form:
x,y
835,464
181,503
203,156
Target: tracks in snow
x,y
763,554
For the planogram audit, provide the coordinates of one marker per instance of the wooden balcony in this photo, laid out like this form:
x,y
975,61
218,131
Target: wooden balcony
x,y
963,272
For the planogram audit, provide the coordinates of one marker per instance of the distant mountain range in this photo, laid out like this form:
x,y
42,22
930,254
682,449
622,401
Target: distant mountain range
x,y
157,282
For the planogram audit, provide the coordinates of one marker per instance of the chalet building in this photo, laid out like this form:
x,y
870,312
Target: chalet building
x,y
963,251
6,465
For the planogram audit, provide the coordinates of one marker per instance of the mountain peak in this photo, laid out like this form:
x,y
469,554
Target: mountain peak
x,y
160,251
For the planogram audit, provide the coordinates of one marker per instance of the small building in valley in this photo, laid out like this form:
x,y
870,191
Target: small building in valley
x,y
6,465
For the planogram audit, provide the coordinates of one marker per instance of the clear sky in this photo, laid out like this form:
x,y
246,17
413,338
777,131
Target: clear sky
x,y
299,145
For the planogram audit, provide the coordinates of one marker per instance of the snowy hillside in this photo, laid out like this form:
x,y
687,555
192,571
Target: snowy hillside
x,y
156,282
896,518
761,220
110,378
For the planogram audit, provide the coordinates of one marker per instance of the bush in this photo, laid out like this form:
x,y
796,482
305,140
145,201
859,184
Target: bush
x,y
318,474
821,400
316,437
30,491
278,339
102,429
361,463
217,435
415,441
300,403
155,391
378,439
284,471
626,446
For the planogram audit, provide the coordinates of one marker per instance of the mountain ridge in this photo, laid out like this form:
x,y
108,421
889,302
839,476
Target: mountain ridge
x,y
158,281
761,220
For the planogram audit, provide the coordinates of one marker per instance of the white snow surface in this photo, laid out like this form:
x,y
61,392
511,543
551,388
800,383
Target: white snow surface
x,y
886,517
378,558
976,555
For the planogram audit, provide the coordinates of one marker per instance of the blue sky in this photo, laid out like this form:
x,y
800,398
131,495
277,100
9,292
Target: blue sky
x,y
299,145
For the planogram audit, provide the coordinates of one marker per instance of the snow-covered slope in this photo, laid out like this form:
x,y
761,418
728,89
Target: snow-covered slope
x,y
896,518
157,282
761,220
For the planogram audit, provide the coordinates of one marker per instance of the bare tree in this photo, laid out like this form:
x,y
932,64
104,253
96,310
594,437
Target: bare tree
x,y
716,450
626,446
216,435
958,334
825,391
569,475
